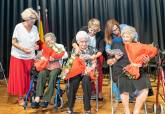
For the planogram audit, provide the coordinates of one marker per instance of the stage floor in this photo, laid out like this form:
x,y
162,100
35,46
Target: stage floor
x,y
8,104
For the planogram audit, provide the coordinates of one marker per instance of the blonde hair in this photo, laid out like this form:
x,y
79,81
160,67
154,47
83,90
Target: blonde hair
x,y
29,12
94,23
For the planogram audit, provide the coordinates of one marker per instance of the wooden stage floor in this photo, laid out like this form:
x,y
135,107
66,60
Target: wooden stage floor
x,y
8,104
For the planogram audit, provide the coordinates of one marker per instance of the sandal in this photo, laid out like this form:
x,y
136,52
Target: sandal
x,y
20,101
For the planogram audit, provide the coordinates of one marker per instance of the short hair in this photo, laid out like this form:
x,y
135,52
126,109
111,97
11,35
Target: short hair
x,y
82,34
50,34
27,13
131,31
94,23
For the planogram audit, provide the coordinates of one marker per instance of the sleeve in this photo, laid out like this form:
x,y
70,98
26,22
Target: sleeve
x,y
15,33
107,47
65,52
36,34
101,46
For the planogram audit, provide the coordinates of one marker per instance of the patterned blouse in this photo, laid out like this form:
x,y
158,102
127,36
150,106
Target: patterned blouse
x,y
87,53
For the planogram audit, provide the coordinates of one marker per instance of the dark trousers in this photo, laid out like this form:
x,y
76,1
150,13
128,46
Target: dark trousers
x,y
73,87
41,81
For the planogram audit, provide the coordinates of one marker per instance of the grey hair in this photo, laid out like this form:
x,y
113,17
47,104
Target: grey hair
x,y
50,35
82,34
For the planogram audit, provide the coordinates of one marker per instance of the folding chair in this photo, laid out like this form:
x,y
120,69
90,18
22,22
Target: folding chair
x,y
2,71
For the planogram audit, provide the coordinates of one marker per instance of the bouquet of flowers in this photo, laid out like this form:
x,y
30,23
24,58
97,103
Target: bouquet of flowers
x,y
136,52
47,53
66,68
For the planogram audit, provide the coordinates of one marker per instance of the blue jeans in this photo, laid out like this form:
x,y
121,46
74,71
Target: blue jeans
x,y
116,91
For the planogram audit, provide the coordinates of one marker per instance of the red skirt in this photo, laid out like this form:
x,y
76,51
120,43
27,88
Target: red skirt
x,y
19,76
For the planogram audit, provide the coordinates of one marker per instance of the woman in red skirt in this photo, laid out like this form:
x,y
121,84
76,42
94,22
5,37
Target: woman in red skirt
x,y
23,48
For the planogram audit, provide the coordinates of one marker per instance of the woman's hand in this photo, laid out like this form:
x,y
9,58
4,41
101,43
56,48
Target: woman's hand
x,y
118,56
88,69
26,50
36,47
93,57
145,60
51,58
111,61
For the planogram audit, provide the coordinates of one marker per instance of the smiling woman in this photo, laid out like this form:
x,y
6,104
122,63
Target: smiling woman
x,y
23,49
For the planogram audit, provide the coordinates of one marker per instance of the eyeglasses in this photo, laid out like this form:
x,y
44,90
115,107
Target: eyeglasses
x,y
83,41
116,29
32,18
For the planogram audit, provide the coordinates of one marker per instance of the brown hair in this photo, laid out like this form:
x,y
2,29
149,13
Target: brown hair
x,y
108,30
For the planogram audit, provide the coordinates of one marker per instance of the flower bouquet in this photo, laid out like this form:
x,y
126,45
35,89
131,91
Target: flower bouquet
x,y
66,68
136,52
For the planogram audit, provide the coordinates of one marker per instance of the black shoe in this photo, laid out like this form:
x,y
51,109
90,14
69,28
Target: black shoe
x,y
44,104
101,99
150,92
35,105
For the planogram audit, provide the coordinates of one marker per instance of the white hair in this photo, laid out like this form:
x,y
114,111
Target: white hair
x,y
82,35
29,12
51,35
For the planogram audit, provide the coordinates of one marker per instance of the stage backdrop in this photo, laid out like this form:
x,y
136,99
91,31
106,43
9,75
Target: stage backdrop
x,y
67,16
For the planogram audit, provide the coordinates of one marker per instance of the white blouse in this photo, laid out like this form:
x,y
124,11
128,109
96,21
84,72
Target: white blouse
x,y
25,39
92,41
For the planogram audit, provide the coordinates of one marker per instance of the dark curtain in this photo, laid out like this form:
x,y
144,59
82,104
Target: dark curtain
x,y
67,16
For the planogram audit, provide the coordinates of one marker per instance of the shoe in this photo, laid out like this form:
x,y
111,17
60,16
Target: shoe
x,y
118,100
69,112
150,92
21,102
35,105
88,112
101,99
44,104
131,100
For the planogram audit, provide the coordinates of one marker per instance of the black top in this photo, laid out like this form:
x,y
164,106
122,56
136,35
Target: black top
x,y
121,63
124,83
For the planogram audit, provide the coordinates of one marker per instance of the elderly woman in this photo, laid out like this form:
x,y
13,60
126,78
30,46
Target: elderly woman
x,y
23,48
126,84
96,40
51,53
85,54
